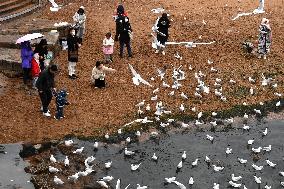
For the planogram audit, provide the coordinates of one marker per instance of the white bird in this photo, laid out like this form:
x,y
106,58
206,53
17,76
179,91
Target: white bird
x,y
171,120
68,142
203,22
242,161
52,159
154,157
251,80
197,122
216,186
278,94
107,178
214,114
57,181
89,160
267,187
117,186
180,185
102,183
148,108
183,156
52,169
172,93
251,91
194,163
264,133
281,174
213,123
154,98
236,179
164,84
140,104
157,10
282,184
119,131
257,150
134,167
246,127
128,139
257,179
271,164
207,159
208,137
278,104
170,180
250,142
235,185
199,115
229,151
217,169
96,145
246,116
217,93
78,151
245,187
191,181
137,79
74,177
196,94
128,153
181,108
141,187
267,148
210,62
223,98
232,81
212,69
257,168
230,120
184,125
54,7
183,96
164,124
155,91
179,166
108,164
66,161
138,133
193,109
106,136
257,111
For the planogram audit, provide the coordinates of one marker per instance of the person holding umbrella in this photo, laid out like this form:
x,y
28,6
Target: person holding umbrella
x,y
26,55
46,87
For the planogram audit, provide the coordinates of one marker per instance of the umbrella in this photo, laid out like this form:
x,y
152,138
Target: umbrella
x,y
28,37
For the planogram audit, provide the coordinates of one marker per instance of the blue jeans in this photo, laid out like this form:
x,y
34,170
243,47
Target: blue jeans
x,y
59,112
122,43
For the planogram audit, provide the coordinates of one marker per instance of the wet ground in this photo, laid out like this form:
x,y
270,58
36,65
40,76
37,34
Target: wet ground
x,y
12,174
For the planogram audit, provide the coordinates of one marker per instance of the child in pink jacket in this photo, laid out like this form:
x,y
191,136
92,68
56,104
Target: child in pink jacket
x,y
108,44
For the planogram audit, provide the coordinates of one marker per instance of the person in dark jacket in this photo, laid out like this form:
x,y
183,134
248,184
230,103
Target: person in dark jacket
x,y
26,55
46,86
61,101
119,12
73,52
124,32
42,51
163,32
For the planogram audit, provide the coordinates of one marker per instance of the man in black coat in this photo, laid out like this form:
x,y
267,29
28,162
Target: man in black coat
x,y
124,31
73,43
46,86
163,32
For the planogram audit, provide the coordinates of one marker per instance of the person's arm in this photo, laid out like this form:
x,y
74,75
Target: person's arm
x,y
75,17
95,74
81,21
106,69
104,42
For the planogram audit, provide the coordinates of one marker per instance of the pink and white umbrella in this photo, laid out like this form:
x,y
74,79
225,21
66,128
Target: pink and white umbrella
x,y
29,37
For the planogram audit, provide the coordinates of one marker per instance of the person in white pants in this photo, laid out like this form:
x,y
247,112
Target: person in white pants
x,y
73,53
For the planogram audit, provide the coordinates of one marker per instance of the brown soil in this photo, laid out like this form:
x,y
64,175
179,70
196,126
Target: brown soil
x,y
99,111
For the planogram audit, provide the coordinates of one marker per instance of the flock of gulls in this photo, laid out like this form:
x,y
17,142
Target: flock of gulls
x,y
159,109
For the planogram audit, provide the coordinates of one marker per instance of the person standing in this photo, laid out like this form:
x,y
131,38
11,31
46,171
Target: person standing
x,y
42,51
119,12
35,69
99,73
26,55
46,87
73,53
163,32
124,32
108,44
80,23
264,38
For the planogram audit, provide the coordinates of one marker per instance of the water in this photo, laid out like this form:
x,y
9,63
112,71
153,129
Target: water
x,y
12,174
169,149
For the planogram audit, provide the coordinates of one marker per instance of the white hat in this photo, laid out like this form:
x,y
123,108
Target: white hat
x,y
82,7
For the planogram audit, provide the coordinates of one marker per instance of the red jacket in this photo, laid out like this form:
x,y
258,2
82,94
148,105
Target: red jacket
x,y
35,68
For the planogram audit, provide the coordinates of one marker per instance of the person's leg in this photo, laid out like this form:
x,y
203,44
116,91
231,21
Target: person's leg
x,y
48,98
121,43
70,69
34,82
128,45
26,75
73,69
61,112
43,98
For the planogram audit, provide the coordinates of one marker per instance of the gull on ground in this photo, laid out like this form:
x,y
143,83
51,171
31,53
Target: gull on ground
x,y
137,79
108,164
52,159
57,181
217,169
257,168
66,161
135,167
235,185
257,179
236,178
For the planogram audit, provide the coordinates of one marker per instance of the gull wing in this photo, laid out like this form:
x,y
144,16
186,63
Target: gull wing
x,y
134,73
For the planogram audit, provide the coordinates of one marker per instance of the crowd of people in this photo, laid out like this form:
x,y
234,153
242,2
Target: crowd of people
x,y
34,64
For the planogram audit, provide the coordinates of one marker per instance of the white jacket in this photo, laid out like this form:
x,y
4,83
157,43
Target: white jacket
x,y
80,19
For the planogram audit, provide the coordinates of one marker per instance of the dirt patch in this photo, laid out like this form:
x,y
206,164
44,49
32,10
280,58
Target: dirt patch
x,y
96,112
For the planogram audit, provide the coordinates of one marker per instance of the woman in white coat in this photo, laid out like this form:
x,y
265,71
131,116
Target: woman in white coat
x,y
80,23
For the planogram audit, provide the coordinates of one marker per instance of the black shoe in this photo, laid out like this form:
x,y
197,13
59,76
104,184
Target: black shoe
x,y
130,56
74,76
71,77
